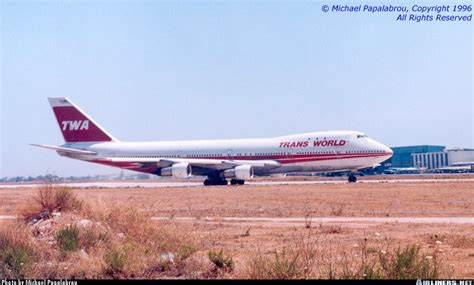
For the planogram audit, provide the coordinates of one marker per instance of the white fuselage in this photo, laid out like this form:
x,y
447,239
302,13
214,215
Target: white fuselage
x,y
308,152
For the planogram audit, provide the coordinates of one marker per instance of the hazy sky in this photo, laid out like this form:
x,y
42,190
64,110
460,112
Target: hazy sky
x,y
204,70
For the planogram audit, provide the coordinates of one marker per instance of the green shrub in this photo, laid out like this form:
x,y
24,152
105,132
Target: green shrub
x,y
115,261
409,263
16,253
187,250
372,271
220,260
285,266
68,239
90,236
281,266
16,260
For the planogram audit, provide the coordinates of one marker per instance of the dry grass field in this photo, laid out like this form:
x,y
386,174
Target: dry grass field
x,y
207,244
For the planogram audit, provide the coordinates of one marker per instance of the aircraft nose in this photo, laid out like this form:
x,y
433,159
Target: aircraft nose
x,y
388,150
387,153
385,149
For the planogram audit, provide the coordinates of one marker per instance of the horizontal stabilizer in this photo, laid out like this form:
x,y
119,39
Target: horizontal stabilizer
x,y
65,149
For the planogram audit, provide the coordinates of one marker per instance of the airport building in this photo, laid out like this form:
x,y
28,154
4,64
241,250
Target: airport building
x,y
460,156
430,160
404,156
429,157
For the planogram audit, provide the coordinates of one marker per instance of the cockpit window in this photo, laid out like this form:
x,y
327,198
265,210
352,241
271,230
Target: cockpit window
x,y
361,136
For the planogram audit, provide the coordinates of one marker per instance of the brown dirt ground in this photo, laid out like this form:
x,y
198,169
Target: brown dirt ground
x,y
208,204
444,199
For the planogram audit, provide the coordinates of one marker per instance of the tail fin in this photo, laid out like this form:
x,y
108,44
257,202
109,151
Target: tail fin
x,y
75,125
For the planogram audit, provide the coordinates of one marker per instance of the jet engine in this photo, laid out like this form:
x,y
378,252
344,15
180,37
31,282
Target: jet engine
x,y
242,172
177,170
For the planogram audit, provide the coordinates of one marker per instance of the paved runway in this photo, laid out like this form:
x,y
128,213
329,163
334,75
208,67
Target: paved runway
x,y
7,217
142,184
316,220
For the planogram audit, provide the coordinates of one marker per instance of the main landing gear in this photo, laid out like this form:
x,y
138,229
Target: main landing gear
x,y
211,182
352,178
237,182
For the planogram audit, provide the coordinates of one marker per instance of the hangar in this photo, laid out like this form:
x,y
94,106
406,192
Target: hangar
x,y
429,157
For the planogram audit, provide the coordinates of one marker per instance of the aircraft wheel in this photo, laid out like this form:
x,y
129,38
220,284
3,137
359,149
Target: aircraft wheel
x,y
237,182
352,178
212,182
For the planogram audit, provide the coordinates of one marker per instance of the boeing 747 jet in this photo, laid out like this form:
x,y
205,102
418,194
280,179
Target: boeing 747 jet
x,y
218,160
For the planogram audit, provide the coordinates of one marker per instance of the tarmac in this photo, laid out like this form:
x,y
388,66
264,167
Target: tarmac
x,y
315,220
142,184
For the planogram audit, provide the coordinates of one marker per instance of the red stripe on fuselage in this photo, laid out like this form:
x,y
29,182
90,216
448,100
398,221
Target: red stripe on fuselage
x,y
334,157
283,159
290,158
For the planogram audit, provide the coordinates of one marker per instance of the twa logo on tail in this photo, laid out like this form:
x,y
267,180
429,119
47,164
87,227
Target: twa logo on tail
x,y
75,125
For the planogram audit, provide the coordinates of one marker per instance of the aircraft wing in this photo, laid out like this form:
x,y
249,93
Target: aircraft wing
x,y
215,164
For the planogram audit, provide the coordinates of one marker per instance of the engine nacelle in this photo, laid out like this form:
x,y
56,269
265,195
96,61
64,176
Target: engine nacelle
x,y
177,170
242,172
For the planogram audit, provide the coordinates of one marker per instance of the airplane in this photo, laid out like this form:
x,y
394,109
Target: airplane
x,y
219,160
